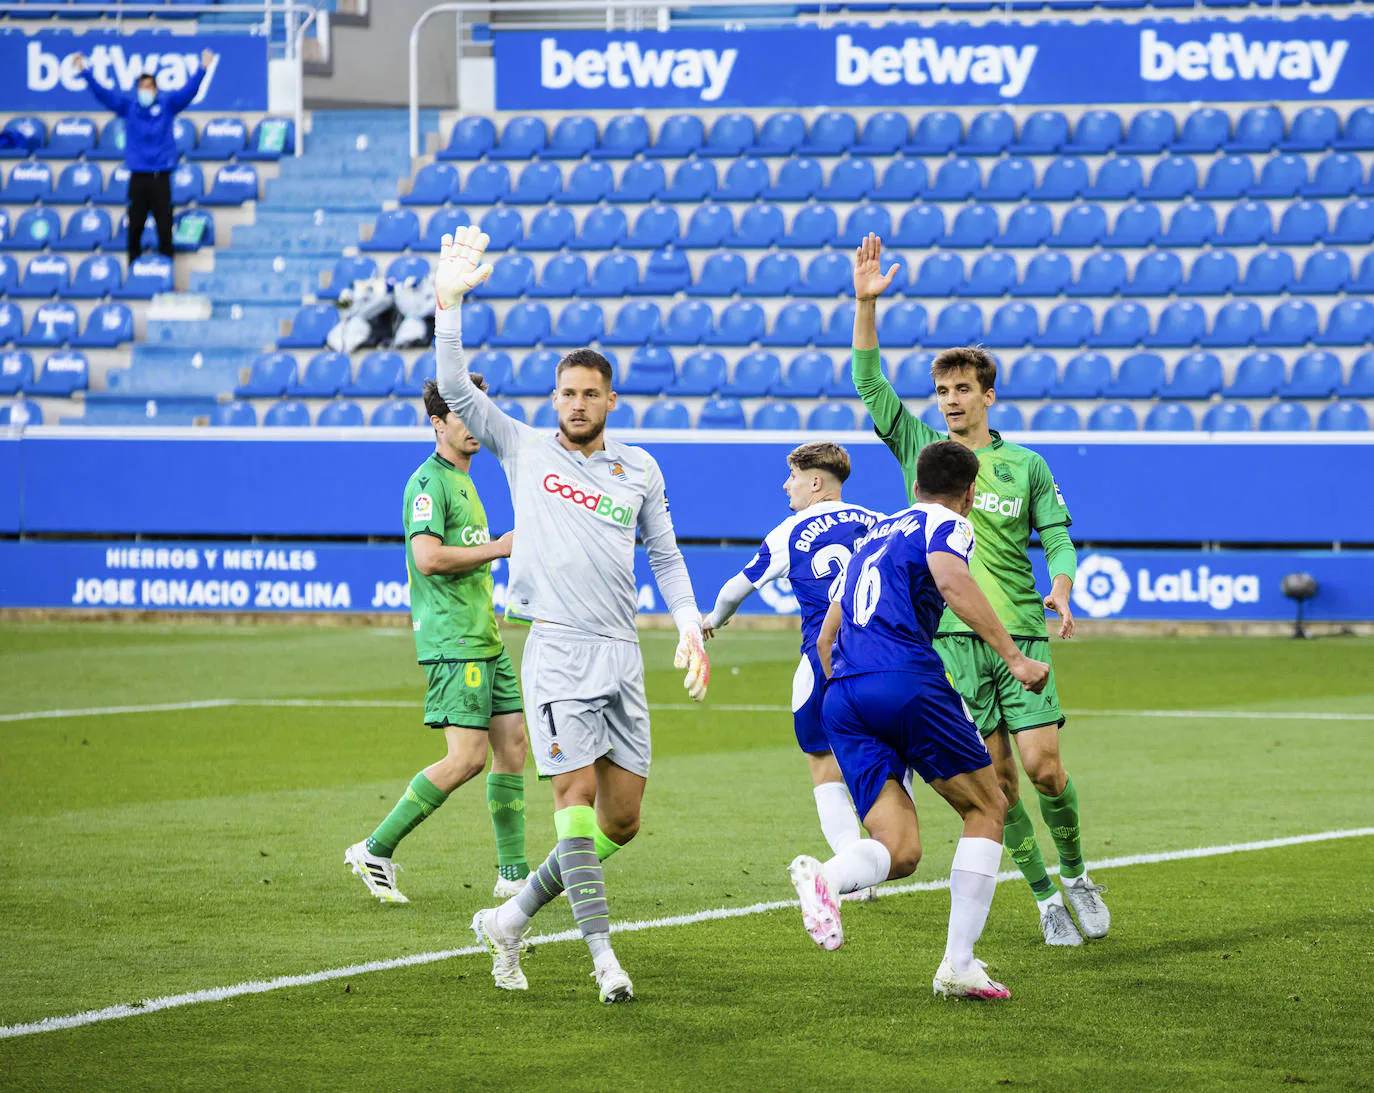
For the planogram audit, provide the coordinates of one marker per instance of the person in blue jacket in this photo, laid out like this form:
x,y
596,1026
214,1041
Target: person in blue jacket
x,y
150,151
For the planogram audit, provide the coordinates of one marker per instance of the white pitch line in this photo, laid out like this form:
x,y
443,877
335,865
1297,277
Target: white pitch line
x,y
100,711
261,986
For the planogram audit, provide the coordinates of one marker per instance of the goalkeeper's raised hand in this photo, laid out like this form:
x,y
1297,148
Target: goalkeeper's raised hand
x,y
691,655
461,268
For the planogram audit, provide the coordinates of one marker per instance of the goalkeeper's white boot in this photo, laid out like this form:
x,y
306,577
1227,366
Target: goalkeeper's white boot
x,y
972,982
820,912
504,949
1086,900
379,874
505,889
614,985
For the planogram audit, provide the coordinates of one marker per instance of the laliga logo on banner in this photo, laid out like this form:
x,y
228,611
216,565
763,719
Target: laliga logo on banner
x,y
1101,587
110,66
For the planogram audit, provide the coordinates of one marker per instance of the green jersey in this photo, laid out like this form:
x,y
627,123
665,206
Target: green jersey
x,y
1014,495
452,615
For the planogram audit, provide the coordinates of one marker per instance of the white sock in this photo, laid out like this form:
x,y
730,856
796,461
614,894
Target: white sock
x,y
605,961
861,864
510,919
1056,900
839,824
1076,881
972,882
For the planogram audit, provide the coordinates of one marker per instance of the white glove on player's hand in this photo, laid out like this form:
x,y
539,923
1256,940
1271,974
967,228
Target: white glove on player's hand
x,y
691,654
460,268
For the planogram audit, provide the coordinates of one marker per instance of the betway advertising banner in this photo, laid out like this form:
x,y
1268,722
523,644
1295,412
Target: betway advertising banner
x,y
38,71
341,579
939,65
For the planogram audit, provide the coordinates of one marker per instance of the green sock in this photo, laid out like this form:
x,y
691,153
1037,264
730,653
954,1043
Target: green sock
x,y
420,799
604,846
1061,814
1018,836
506,802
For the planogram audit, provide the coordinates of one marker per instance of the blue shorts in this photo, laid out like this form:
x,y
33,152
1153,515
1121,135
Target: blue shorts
x,y
807,689
881,723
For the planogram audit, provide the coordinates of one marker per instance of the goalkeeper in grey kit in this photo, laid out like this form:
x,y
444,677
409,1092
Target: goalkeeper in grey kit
x,y
579,499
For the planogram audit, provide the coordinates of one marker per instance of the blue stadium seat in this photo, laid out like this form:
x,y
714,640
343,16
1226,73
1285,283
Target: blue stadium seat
x,y
625,137
1351,322
1097,132
472,138
423,369
271,139
1214,273
16,372
407,268
28,134
494,365
636,323
797,324
268,377
755,375
1361,381
993,274
780,135
108,325
723,274
776,416
1182,323
1343,417
688,322
1269,273
1227,417
679,136
1103,273
832,133
1281,177
1172,178
573,137
11,322
702,373
666,272
9,275
25,411
1302,223
1354,224
511,408
1205,130
1112,417
1325,273
1004,417
222,138
1047,274
761,225
827,275
1258,375
903,180
666,415
975,225
936,134
851,180
808,376
1228,179
1192,225
579,323
110,146
989,134
35,229
526,324
1010,179
394,229
537,184
184,136
341,415
602,229
798,179
1012,326
642,181
1149,133
1316,374
1357,135
29,181
1042,133
775,275
1056,417
654,227
721,413
904,325
1363,282
479,322
694,180
864,220
1064,179
234,184
1158,273
1258,129
710,225
1196,376
188,183
324,374
1247,224
1030,377
552,228
1124,325
1067,326
614,275
921,225
884,133
1086,376
1170,417
956,180
1139,376
63,373
394,414
522,137
46,275
346,271
957,324
832,417
71,138
486,184
536,375
512,276
589,183
1286,417
911,380
146,277
1118,179
621,417
1337,175
77,184
651,370
287,415
1314,129
233,415
1237,323
745,180
730,135
1293,322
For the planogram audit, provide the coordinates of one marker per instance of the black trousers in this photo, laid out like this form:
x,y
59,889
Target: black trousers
x,y
150,192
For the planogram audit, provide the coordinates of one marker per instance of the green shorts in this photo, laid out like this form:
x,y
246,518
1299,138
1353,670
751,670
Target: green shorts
x,y
994,697
469,693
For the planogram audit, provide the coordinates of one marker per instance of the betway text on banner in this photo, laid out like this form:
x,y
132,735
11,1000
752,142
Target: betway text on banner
x,y
1314,57
37,71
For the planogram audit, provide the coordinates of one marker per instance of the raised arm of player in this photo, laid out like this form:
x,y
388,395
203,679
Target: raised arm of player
x,y
966,600
674,584
459,271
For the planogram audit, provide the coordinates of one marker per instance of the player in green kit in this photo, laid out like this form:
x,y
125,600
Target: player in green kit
x,y
474,695
1015,495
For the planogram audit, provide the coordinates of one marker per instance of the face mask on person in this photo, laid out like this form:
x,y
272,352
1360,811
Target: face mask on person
x,y
146,96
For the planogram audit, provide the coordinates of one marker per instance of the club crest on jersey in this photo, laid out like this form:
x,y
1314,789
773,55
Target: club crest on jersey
x,y
618,472
555,752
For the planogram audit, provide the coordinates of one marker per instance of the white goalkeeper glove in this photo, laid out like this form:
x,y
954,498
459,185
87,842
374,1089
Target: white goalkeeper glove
x,y
460,268
691,655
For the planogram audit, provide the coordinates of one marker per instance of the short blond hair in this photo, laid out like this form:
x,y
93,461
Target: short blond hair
x,y
823,455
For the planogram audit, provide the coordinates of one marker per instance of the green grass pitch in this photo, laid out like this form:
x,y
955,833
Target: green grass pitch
x,y
147,854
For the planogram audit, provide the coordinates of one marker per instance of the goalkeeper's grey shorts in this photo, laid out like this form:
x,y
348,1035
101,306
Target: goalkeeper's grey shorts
x,y
584,699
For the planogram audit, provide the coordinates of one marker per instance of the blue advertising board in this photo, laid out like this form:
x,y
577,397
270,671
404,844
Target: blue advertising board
x,y
939,64
38,70
323,578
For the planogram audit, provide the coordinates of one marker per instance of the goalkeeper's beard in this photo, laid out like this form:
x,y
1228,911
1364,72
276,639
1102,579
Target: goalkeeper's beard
x,y
584,433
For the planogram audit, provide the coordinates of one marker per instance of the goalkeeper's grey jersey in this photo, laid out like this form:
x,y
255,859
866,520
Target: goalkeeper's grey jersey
x,y
575,516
